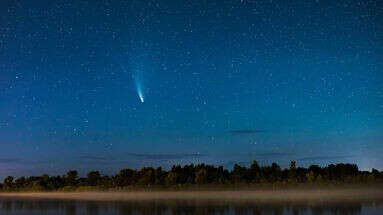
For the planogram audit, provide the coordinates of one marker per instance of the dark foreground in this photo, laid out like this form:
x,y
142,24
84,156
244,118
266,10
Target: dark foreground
x,y
294,202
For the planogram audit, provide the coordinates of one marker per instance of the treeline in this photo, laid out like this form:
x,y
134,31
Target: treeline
x,y
195,176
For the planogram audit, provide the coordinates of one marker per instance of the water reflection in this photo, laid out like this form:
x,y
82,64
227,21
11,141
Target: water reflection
x,y
48,207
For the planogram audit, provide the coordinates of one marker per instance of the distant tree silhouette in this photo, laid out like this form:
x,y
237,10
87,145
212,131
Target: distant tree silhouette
x,y
93,178
255,171
146,176
292,174
71,178
200,174
124,178
239,174
8,182
171,178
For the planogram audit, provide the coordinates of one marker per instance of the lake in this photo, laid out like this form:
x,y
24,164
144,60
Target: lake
x,y
38,206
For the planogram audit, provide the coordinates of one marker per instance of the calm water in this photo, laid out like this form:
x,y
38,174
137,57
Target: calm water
x,y
50,207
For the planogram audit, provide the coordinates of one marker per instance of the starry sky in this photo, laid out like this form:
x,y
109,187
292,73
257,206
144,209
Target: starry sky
x,y
128,83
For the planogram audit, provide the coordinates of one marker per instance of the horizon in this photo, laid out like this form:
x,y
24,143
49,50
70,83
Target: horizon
x,y
228,166
230,169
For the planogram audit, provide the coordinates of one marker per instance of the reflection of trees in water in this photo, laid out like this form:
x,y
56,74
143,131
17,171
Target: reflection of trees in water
x,y
181,207
139,208
6,206
92,208
70,209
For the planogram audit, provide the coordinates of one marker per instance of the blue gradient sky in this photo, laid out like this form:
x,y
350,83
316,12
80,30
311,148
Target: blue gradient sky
x,y
302,80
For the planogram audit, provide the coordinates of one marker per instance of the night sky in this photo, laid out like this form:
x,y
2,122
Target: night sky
x,y
109,84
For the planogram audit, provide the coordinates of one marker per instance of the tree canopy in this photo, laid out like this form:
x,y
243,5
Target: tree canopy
x,y
196,175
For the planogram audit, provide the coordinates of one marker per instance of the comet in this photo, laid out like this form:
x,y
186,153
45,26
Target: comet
x,y
136,71
139,89
140,95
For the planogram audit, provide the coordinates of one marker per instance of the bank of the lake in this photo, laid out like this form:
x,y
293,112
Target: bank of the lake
x,y
261,195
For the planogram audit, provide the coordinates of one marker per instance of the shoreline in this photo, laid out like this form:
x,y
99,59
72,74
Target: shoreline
x,y
234,195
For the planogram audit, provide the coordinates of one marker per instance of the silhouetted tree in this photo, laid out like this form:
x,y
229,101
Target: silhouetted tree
x,y
293,172
93,178
239,174
255,171
197,174
8,182
171,178
146,176
201,176
71,178
124,178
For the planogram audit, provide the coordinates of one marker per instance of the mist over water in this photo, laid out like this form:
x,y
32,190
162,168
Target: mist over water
x,y
71,207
